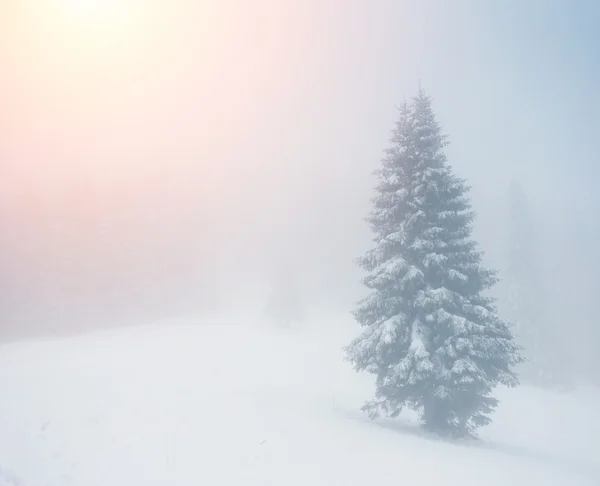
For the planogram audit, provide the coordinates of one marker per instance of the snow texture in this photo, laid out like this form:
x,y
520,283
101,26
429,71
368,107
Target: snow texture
x,y
180,404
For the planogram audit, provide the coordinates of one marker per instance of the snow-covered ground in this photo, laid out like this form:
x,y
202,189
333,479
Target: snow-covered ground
x,y
242,404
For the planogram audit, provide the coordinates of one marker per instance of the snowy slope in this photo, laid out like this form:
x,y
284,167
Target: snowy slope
x,y
180,404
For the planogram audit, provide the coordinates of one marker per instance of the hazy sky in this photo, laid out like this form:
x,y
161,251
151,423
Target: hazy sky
x,y
140,134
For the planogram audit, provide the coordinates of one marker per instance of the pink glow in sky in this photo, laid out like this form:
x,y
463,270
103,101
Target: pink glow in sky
x,y
148,143
140,136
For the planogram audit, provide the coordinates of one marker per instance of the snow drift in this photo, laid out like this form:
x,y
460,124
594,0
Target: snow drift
x,y
226,404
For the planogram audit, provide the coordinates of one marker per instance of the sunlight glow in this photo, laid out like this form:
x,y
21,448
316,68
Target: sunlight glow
x,y
100,21
90,10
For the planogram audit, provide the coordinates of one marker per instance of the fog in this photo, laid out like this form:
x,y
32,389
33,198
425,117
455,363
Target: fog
x,y
173,164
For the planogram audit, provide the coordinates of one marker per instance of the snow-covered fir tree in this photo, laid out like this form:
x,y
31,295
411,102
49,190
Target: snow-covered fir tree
x,y
430,334
524,293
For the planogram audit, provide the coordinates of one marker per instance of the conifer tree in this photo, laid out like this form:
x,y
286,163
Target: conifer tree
x,y
431,336
285,305
525,296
